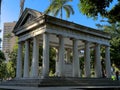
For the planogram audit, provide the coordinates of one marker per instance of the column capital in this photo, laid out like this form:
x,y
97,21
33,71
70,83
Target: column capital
x,y
107,45
46,33
60,36
86,41
97,44
73,38
69,49
20,42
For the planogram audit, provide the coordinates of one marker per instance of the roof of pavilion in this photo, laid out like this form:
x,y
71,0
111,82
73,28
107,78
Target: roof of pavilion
x,y
31,23
29,16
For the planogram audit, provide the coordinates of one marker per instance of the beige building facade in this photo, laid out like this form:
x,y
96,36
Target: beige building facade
x,y
9,39
37,29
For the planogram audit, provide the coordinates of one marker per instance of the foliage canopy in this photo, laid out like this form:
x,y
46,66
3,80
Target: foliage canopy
x,y
94,8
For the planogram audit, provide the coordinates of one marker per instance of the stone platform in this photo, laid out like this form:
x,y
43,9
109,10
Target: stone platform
x,y
63,82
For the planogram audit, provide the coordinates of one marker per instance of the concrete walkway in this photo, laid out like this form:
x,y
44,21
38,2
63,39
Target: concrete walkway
x,y
57,88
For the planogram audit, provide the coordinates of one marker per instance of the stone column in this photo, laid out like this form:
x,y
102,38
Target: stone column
x,y
87,59
26,60
19,61
107,62
98,69
35,58
45,63
76,66
61,56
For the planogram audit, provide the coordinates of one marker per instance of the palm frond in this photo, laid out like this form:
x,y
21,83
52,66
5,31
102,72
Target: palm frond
x,y
66,1
56,12
51,8
69,10
48,10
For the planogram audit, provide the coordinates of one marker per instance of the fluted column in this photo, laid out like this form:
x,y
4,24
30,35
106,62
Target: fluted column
x,y
98,69
45,63
76,66
107,62
26,60
19,61
87,59
35,57
61,56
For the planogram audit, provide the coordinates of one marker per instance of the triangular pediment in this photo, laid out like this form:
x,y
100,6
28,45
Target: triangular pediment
x,y
27,16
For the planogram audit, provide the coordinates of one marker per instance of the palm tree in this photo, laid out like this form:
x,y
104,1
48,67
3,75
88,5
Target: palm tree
x,y
57,7
21,6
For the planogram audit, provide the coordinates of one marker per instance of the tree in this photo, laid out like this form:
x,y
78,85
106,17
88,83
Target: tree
x,y
114,14
3,70
57,7
94,8
11,64
2,56
114,31
115,51
10,69
2,65
7,69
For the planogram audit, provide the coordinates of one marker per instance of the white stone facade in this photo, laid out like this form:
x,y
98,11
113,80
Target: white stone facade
x,y
46,31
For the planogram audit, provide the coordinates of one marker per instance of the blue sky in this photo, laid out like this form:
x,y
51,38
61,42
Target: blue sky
x,y
10,12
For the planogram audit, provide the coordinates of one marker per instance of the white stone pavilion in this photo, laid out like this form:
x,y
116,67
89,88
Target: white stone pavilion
x,y
67,38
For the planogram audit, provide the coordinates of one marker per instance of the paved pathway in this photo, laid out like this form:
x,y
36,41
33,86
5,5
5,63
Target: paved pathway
x,y
55,88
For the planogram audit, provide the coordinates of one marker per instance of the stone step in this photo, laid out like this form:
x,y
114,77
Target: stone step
x,y
62,82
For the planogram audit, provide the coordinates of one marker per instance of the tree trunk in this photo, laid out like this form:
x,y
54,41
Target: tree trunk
x,y
21,6
61,13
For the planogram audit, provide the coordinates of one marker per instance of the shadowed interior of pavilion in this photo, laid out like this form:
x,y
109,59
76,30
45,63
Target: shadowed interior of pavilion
x,y
68,39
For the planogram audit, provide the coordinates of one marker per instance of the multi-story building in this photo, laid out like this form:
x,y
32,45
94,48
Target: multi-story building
x,y
8,38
